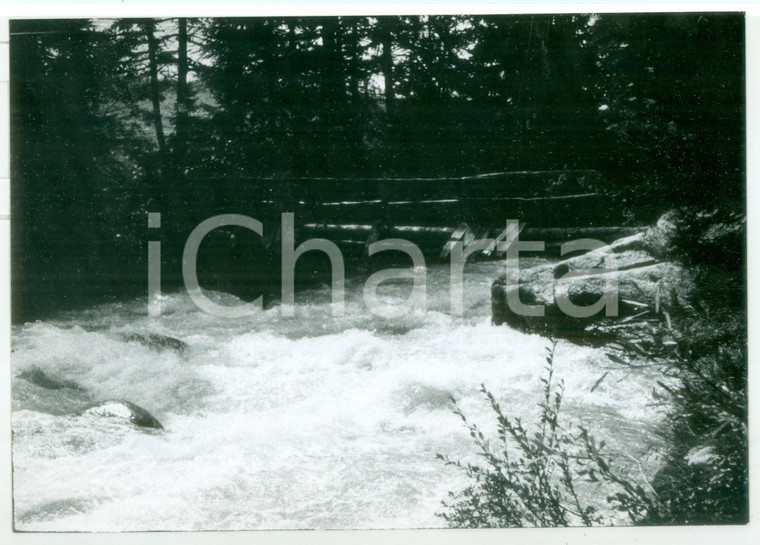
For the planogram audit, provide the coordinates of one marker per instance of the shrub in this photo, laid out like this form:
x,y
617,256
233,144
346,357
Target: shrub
x,y
529,477
705,476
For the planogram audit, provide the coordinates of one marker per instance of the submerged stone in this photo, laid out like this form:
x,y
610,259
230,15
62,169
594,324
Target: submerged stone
x,y
155,341
27,395
39,378
416,396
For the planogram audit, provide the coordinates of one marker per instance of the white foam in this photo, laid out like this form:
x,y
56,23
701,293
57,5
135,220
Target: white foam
x,y
272,422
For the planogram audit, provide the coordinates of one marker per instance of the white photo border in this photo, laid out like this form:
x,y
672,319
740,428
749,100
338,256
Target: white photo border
x,y
693,535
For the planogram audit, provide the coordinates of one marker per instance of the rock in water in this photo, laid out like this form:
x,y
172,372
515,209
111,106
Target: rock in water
x,y
155,341
126,411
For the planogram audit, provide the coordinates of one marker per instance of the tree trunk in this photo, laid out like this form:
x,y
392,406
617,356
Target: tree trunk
x,y
186,205
155,95
391,143
386,64
352,53
299,159
332,94
183,101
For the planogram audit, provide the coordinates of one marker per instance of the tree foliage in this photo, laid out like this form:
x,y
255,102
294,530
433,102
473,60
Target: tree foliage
x,y
110,118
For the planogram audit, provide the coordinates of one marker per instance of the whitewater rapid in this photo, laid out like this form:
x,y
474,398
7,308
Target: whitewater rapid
x,y
275,422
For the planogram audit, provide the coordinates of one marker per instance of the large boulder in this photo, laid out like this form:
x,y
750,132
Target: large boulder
x,y
125,411
634,273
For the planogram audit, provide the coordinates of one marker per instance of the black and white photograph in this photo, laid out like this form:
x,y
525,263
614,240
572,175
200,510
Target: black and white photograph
x,y
352,272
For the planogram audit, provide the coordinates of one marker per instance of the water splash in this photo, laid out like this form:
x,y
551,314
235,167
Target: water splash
x,y
273,422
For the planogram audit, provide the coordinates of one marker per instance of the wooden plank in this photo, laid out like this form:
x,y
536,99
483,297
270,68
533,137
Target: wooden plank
x,y
462,234
511,231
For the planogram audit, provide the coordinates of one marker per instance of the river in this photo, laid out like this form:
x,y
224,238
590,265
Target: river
x,y
276,422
